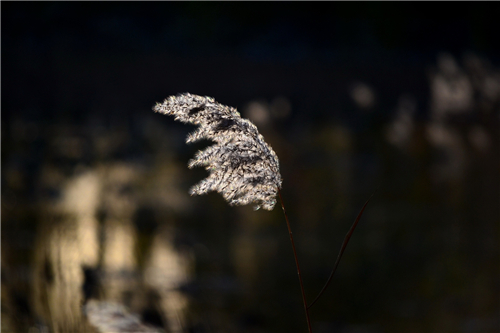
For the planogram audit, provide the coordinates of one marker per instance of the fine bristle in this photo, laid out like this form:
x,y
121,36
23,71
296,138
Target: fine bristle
x,y
243,167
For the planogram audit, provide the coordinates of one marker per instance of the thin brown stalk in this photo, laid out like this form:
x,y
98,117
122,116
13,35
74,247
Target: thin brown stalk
x,y
341,252
306,309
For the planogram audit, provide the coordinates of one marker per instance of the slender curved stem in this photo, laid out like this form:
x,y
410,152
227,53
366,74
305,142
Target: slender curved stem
x,y
306,309
341,252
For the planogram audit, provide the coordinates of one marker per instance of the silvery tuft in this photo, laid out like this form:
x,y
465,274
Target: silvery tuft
x,y
243,167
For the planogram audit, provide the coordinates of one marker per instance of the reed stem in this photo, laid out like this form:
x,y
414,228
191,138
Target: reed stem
x,y
341,252
306,309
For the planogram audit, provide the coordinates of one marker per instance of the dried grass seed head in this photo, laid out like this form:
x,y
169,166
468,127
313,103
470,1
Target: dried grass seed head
x,y
242,167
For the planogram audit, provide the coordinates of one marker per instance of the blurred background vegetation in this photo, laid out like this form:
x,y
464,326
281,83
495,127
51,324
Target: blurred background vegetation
x,y
99,232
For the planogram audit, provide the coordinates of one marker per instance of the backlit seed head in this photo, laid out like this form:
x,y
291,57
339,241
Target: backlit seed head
x,y
242,167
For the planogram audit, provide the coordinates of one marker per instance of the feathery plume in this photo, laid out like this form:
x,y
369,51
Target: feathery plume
x,y
242,167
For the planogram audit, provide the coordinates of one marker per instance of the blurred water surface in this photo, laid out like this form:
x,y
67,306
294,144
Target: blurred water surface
x,y
99,233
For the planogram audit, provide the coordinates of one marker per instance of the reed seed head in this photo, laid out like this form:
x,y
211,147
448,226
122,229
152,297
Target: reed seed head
x,y
242,167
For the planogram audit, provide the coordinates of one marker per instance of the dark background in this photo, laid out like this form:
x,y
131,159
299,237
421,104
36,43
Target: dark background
x,y
402,98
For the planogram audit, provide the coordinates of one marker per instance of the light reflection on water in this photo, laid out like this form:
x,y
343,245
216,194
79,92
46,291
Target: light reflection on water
x,y
79,259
